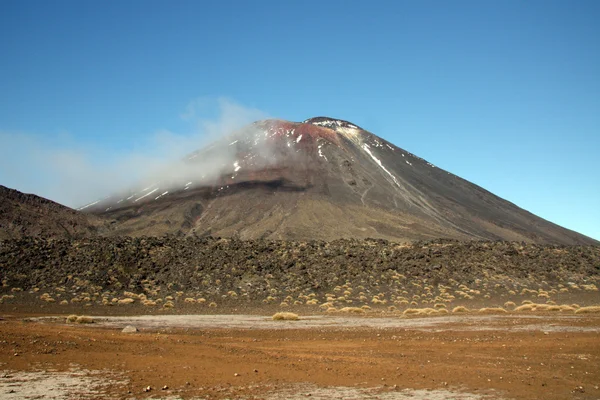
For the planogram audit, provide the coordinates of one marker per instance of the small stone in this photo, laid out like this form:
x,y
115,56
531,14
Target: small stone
x,y
147,389
255,370
130,329
165,387
236,374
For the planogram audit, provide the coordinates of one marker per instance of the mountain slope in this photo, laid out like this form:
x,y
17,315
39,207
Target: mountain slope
x,y
320,179
23,215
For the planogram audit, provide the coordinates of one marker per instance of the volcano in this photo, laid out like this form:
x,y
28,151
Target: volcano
x,y
322,178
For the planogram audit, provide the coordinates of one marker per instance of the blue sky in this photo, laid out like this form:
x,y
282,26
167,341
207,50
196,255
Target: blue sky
x,y
505,94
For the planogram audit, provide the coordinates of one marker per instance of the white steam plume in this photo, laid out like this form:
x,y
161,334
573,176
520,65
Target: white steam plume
x,y
73,174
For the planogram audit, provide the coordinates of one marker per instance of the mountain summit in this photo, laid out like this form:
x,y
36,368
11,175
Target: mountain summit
x,y
322,178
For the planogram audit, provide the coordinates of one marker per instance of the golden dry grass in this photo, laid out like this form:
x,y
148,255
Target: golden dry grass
x,y
525,307
355,310
84,319
567,308
492,310
509,304
71,318
285,316
588,310
460,309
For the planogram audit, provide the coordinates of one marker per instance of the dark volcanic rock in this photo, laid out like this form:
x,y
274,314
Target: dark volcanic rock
x,y
30,215
213,267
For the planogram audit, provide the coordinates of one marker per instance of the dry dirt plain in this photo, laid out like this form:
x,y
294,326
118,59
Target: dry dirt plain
x,y
513,356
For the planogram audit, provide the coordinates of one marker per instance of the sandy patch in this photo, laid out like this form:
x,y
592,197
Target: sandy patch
x,y
53,385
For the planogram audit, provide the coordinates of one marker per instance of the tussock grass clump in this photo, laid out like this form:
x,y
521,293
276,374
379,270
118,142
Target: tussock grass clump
x,y
420,311
128,300
79,319
525,307
411,311
588,310
492,310
546,307
285,316
460,309
71,318
509,304
355,310
213,305
567,308
168,304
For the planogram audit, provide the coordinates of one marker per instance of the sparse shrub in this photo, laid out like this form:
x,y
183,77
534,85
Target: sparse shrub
x,y
412,311
525,307
71,318
213,305
588,310
566,308
509,304
460,309
356,310
285,316
492,310
168,304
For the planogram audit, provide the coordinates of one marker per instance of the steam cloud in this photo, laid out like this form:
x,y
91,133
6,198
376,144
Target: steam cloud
x,y
74,174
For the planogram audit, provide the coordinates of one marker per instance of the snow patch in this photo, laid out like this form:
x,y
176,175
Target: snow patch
x,y
89,205
236,166
299,138
161,195
368,150
147,194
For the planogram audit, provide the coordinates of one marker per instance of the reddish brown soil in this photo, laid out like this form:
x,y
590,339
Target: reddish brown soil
x,y
522,365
